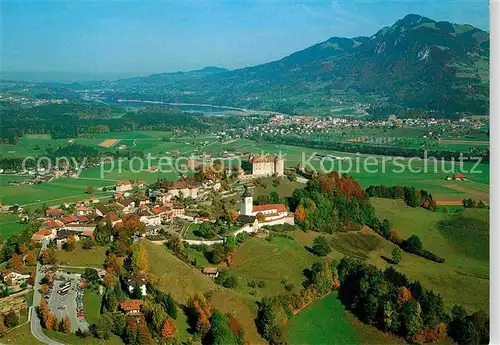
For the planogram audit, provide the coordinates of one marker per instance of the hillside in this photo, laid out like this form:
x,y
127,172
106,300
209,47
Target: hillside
x,y
183,281
417,63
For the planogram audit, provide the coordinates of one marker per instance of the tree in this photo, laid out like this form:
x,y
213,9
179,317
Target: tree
x,y
87,244
11,319
321,277
90,189
300,214
65,325
140,258
397,255
16,262
48,257
30,259
232,215
70,243
320,246
168,329
220,332
102,233
404,295
168,303
413,244
230,282
155,316
261,217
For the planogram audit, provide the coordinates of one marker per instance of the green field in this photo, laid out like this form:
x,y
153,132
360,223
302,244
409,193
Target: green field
x,y
52,193
9,225
322,323
425,175
85,258
278,262
464,277
92,306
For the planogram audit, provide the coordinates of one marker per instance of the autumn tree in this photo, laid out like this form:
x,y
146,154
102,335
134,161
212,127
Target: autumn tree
x,y
404,295
70,243
260,217
168,329
16,262
232,215
300,214
140,258
90,189
30,259
65,325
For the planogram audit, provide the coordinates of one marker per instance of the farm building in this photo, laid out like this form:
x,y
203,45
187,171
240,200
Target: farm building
x,y
212,272
123,186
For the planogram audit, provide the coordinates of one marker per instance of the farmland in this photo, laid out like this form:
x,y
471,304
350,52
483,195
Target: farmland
x,y
427,175
10,225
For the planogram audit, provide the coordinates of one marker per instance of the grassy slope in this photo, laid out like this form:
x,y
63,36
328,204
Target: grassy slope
x,y
91,258
182,281
322,323
21,335
463,278
281,259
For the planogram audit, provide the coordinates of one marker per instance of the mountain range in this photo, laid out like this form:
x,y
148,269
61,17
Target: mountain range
x,y
416,63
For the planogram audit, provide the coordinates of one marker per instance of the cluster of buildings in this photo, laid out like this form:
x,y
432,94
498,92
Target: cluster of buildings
x,y
304,125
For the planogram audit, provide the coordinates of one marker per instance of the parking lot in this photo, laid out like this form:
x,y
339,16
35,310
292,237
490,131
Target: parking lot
x,y
66,299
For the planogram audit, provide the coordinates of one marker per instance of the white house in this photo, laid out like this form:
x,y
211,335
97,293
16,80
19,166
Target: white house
x,y
14,278
123,186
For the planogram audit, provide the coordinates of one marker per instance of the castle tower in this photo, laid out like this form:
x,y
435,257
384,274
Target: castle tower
x,y
246,206
279,165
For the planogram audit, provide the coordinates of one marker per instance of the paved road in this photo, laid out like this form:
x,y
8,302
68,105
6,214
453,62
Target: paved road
x,y
35,326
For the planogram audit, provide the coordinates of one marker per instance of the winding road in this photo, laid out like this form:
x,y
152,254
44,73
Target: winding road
x,y
35,326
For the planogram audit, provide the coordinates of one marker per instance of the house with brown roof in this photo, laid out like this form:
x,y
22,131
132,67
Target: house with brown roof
x,y
54,212
212,272
42,234
131,306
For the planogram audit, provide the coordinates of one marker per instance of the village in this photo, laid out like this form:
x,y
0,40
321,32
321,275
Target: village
x,y
163,209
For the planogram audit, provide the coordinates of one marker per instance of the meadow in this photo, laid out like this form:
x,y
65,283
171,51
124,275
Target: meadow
x,y
9,225
322,323
85,258
277,263
460,238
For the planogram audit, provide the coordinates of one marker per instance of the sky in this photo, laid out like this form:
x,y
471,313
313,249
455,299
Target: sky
x,y
139,38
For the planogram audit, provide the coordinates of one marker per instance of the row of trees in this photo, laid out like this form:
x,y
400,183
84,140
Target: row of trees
x,y
50,321
470,203
395,151
214,327
390,302
411,245
411,196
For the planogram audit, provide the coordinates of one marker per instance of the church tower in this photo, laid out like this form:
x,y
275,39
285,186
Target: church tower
x,y
246,206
